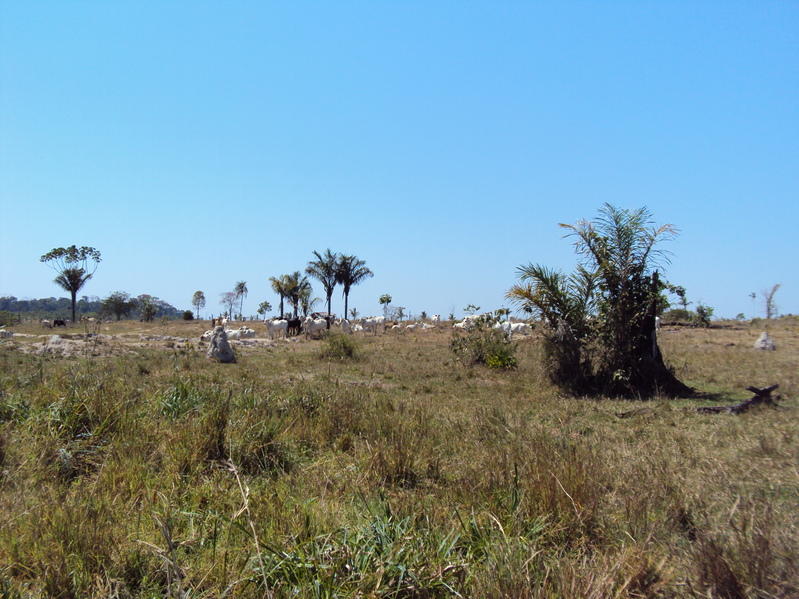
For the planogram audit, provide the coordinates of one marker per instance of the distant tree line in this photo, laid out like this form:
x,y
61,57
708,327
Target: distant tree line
x,y
145,307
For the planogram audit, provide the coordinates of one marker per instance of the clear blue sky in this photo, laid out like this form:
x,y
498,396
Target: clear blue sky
x,y
197,144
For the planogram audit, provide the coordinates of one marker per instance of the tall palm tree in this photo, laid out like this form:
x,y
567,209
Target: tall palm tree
x,y
72,265
324,269
241,292
72,280
279,286
350,271
296,286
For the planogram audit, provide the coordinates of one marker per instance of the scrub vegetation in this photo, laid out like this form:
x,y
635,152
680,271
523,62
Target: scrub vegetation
x,y
388,467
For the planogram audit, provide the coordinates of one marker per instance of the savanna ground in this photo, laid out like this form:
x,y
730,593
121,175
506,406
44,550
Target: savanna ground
x,y
134,467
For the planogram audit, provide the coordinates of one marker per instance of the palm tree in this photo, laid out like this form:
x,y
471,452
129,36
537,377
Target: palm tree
x,y
241,292
279,286
72,265
296,286
350,271
324,269
608,306
72,280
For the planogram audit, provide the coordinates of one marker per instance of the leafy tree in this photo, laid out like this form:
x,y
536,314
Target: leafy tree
x,y
354,313
325,270
74,266
350,271
241,292
198,301
118,304
228,300
263,308
703,315
471,309
385,301
600,321
188,315
768,300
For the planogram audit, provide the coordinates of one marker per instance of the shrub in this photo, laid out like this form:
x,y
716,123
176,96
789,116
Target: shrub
x,y
188,315
339,346
484,346
7,318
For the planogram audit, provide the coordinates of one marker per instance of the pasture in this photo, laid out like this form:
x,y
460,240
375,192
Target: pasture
x,y
134,467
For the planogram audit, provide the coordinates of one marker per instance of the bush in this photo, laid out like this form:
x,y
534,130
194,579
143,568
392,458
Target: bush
x,y
188,315
484,346
339,346
7,318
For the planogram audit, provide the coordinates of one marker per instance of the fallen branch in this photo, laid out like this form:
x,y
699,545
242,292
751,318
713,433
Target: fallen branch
x,y
761,396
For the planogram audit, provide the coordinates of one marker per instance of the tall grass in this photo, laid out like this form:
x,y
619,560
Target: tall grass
x,y
400,473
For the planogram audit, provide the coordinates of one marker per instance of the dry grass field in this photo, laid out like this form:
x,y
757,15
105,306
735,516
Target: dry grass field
x,y
134,467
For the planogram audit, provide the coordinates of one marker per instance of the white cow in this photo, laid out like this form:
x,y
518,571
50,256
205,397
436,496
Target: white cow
x,y
242,333
657,323
313,325
412,327
506,327
47,324
4,334
372,323
345,326
436,320
276,326
520,327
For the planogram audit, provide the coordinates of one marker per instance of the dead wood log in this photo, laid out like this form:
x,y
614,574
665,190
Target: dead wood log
x,y
761,396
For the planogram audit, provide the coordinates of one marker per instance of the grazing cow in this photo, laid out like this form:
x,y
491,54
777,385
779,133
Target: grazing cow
x,y
47,324
412,327
312,325
345,326
277,326
372,323
59,323
5,334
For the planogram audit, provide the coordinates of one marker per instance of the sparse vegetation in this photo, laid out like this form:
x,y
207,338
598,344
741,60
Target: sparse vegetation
x,y
399,474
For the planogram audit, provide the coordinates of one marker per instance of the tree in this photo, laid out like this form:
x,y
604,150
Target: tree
x,y
385,301
119,304
74,266
198,301
768,300
600,321
350,271
280,286
263,308
325,270
296,285
241,292
228,300
148,307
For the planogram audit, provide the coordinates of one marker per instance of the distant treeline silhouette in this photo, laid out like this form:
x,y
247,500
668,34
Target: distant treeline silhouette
x,y
52,307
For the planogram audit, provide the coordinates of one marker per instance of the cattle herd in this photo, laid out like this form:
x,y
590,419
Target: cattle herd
x,y
313,325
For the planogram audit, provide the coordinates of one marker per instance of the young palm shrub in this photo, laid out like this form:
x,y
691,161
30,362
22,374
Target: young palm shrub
x,y
608,306
564,306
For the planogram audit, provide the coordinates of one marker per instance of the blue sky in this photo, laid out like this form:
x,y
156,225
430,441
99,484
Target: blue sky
x,y
197,144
